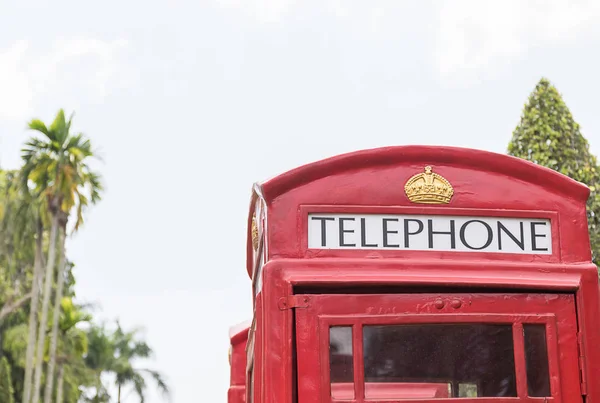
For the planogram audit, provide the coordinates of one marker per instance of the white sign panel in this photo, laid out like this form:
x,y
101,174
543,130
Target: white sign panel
x,y
435,233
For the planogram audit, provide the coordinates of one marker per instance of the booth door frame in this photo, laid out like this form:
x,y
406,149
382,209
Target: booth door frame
x,y
320,312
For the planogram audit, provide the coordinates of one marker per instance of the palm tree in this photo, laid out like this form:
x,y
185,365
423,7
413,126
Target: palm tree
x,y
56,165
21,243
115,353
73,374
99,358
128,349
17,234
33,310
6,388
74,341
22,223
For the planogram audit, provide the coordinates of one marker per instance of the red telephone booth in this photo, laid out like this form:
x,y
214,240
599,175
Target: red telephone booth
x,y
408,273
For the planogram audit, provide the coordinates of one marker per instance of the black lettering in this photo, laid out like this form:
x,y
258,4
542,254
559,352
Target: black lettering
x,y
502,228
407,233
431,233
323,228
345,231
363,234
490,236
386,232
534,236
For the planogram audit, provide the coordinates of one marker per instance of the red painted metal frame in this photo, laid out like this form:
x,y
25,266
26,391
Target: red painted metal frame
x,y
282,276
358,322
427,390
414,155
338,310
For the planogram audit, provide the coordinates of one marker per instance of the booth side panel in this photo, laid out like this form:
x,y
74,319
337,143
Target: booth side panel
x,y
588,314
277,343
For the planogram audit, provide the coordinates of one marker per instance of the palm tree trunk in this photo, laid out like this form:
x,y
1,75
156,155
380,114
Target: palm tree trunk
x,y
60,283
119,394
35,298
60,385
98,388
44,318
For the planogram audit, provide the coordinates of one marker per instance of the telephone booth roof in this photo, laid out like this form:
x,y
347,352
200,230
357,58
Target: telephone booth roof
x,y
482,184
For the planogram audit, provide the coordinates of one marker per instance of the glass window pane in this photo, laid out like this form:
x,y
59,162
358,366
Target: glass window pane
x,y
467,390
341,362
536,359
421,361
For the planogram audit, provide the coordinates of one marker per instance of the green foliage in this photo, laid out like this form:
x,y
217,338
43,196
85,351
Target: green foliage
x,y
54,179
548,135
115,352
56,164
14,342
6,388
16,232
129,348
72,348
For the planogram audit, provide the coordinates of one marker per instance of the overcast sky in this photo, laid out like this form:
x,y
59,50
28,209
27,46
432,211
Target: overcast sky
x,y
190,102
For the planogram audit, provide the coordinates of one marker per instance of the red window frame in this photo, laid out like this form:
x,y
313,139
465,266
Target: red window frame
x,y
556,311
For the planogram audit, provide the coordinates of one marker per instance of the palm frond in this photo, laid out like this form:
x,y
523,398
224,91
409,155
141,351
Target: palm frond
x,y
55,168
58,128
38,125
139,384
158,379
68,126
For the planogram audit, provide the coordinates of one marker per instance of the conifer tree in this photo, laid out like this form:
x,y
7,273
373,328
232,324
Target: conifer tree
x,y
6,388
547,135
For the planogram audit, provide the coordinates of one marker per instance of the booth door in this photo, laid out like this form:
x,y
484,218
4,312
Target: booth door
x,y
402,348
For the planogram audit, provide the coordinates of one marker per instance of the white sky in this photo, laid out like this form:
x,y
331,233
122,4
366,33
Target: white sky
x,y
190,102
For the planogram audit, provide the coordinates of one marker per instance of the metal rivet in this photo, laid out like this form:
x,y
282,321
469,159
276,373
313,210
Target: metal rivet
x,y
439,304
456,304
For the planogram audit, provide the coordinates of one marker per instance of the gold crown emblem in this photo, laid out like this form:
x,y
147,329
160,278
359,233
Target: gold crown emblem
x,y
428,188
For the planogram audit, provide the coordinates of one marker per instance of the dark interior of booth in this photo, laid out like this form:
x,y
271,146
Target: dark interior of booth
x,y
461,360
